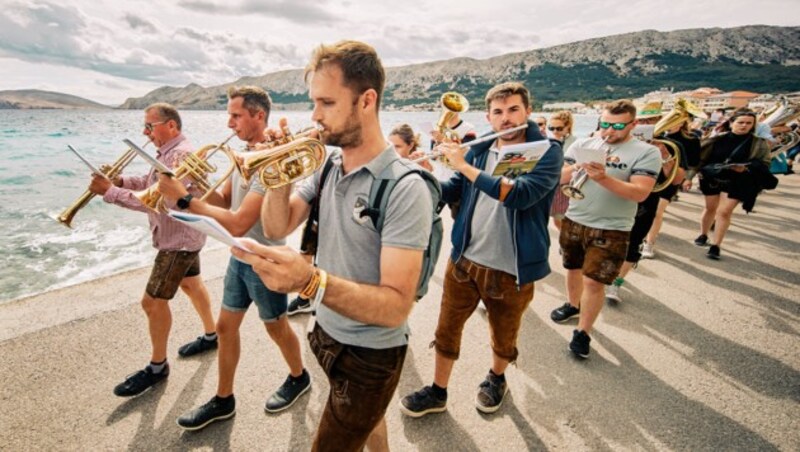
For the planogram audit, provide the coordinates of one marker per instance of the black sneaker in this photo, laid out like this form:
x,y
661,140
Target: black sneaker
x,y
422,402
139,382
565,312
197,346
701,240
288,393
216,409
580,344
491,394
713,252
299,305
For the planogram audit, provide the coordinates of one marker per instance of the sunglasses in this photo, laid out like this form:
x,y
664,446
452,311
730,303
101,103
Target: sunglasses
x,y
150,125
555,129
540,124
614,125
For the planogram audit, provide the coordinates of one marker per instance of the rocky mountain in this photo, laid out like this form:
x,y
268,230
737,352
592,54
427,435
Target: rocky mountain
x,y
754,58
36,99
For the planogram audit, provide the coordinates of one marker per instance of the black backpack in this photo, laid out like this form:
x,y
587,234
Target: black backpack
x,y
379,194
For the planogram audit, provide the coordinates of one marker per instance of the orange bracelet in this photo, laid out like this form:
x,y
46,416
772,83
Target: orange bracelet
x,y
310,289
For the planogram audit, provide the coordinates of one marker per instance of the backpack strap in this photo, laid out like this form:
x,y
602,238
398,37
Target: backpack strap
x,y
308,241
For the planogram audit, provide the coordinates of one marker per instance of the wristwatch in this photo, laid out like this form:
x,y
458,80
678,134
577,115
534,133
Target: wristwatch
x,y
183,203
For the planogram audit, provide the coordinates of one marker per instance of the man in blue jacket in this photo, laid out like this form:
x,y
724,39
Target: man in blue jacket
x,y
500,247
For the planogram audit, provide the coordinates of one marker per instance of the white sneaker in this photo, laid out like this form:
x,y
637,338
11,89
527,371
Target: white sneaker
x,y
612,294
648,251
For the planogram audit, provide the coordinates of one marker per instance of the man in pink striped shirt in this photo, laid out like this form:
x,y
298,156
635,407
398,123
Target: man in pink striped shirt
x,y
177,263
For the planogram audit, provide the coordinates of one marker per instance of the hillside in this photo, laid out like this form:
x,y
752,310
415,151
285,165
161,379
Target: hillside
x,y
35,99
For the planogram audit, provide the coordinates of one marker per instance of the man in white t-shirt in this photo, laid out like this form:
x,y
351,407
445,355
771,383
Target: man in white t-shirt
x,y
595,230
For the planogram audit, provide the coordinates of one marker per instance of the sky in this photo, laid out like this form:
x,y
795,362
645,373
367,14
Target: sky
x,y
108,51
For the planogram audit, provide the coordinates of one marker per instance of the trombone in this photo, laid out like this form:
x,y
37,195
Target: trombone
x,y
483,139
196,167
110,172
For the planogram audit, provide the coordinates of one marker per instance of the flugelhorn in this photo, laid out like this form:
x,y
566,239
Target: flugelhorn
x,y
573,189
197,168
110,172
483,139
285,160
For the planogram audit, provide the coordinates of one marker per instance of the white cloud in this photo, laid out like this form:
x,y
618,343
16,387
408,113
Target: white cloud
x,y
146,43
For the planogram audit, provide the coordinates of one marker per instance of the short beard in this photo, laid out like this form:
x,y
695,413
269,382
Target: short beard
x,y
349,137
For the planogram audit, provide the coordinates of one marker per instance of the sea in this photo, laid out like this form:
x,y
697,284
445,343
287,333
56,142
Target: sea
x,y
40,177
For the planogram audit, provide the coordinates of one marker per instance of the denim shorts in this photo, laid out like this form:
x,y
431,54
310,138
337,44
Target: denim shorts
x,y
243,286
169,269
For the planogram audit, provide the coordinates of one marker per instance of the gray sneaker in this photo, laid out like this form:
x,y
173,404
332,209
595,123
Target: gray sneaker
x,y
612,294
648,251
422,402
491,394
299,305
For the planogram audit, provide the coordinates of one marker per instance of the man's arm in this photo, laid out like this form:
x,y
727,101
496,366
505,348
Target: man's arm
x,y
282,212
388,304
237,222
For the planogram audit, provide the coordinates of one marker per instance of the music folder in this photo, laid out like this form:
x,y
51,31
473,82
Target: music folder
x,y
208,226
160,167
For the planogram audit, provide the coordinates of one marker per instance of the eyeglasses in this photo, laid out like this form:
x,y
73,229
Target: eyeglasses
x,y
540,124
150,125
614,125
555,129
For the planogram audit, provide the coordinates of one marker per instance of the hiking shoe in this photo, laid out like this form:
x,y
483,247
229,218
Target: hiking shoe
x,y
491,394
713,252
701,240
299,305
648,251
612,294
565,312
580,344
197,346
140,381
216,409
288,393
422,402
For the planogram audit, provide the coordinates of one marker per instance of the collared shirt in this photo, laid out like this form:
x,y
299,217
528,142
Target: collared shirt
x,y
350,246
168,234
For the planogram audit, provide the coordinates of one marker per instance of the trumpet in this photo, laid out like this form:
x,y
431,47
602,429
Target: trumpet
x,y
286,160
492,136
110,172
197,167
573,189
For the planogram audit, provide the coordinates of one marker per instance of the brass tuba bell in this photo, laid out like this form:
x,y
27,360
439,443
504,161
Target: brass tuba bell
x,y
681,112
674,156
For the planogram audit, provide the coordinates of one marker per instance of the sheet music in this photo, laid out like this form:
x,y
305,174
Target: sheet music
x,y
160,167
209,226
91,167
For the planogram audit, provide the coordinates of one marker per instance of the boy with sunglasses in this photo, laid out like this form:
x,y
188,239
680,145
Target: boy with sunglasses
x,y
596,229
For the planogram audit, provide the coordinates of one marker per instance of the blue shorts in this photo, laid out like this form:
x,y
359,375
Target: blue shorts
x,y
243,286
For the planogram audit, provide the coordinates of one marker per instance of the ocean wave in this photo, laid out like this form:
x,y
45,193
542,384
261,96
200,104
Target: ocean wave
x,y
17,180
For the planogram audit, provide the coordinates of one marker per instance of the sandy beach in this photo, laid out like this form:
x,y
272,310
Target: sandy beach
x,y
700,355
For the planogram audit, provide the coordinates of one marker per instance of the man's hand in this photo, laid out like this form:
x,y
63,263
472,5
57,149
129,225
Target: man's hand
x,y
686,185
595,170
171,188
117,181
280,268
454,154
99,184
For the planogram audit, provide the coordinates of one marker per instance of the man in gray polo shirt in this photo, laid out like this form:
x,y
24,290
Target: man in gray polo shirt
x,y
365,282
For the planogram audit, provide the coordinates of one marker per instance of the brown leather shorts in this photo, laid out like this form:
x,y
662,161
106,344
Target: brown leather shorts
x,y
598,252
169,269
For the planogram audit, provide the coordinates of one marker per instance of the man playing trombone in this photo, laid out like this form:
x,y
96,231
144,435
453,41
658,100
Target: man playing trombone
x,y
500,247
177,263
248,113
596,228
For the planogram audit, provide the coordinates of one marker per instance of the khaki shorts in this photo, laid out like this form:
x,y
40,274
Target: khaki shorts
x,y
598,252
169,269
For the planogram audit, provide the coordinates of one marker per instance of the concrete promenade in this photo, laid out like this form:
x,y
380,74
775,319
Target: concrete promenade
x,y
700,355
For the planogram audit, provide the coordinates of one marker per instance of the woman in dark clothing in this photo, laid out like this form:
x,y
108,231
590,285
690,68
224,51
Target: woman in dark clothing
x,y
743,153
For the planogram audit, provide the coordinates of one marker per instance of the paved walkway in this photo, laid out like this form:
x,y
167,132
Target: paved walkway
x,y
701,355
